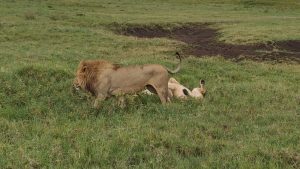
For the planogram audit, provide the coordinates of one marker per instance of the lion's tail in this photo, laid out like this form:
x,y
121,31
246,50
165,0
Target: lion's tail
x,y
178,66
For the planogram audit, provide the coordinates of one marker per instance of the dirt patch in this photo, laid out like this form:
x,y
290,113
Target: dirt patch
x,y
202,41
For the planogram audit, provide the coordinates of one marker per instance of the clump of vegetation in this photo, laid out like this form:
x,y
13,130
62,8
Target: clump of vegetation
x,y
29,15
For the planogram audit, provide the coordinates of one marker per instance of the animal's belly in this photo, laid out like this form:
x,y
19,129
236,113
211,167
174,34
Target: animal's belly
x,y
126,89
179,93
196,94
128,81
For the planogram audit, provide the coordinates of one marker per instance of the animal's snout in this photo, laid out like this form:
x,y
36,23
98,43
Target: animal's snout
x,y
76,85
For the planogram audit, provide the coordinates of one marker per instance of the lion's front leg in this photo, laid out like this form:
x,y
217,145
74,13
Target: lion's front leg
x,y
100,97
121,101
102,92
121,97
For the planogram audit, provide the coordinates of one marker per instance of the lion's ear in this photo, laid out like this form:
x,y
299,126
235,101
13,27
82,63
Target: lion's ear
x,y
84,68
202,82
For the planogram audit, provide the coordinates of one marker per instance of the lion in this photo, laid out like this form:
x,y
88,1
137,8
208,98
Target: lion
x,y
104,79
177,90
181,92
199,92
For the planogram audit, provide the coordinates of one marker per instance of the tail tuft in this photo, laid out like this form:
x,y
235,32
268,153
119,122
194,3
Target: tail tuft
x,y
178,55
178,66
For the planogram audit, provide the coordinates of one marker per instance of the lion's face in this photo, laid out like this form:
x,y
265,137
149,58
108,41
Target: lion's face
x,y
80,79
76,84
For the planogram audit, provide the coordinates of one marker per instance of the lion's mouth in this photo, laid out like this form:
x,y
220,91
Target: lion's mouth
x,y
76,87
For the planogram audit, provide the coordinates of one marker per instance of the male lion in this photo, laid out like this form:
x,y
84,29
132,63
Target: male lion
x,y
103,79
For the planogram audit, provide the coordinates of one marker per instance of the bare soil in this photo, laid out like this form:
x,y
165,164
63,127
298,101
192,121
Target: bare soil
x,y
202,41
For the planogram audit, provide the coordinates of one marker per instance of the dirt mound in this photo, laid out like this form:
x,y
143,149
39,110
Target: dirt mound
x,y
202,41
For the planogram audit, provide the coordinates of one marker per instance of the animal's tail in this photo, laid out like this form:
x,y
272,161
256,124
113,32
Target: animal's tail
x,y
178,66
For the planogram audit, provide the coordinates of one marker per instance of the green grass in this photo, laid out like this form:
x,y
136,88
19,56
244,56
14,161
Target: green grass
x,y
249,119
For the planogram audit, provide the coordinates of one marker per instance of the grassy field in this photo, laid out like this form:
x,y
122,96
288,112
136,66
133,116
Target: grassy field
x,y
249,119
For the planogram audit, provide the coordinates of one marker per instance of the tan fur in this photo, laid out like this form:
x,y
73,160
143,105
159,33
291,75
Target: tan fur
x,y
176,90
104,79
199,92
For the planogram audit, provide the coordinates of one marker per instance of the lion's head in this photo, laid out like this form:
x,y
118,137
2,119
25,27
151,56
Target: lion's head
x,y
88,71
80,79
202,88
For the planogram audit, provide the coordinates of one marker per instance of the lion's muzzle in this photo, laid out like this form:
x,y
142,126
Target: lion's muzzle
x,y
76,85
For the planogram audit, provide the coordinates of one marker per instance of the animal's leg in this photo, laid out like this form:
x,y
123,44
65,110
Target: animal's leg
x,y
170,95
160,92
99,98
121,101
117,92
160,83
163,94
101,92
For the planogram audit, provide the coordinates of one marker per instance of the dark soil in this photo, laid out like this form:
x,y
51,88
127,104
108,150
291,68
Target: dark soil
x,y
202,41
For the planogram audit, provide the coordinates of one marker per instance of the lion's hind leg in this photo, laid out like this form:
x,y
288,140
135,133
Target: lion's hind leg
x,y
163,95
162,92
